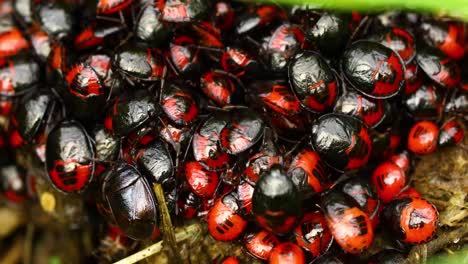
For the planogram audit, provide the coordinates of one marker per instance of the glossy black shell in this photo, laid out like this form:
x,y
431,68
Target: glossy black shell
x,y
133,62
242,132
69,141
132,201
311,77
129,113
24,75
55,18
149,28
425,103
330,33
361,191
107,146
155,161
368,65
332,136
391,216
439,67
275,192
31,113
371,111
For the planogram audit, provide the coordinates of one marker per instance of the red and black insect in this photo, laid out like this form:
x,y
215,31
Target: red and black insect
x,y
224,221
30,115
309,173
107,148
101,64
400,41
6,105
186,11
457,104
40,42
15,184
450,134
349,225
342,141
260,244
313,81
12,42
139,63
107,7
149,27
18,75
69,157
242,132
403,160
185,55
413,78
93,36
57,62
283,45
258,164
188,205
208,35
330,33
205,143
312,234
179,105
439,67
131,200
155,161
371,111
201,181
238,62
287,252
387,256
361,191
127,113
257,17
447,36
261,162
411,220
389,180
276,201
56,18
221,88
224,15
425,102
422,138
276,95
373,69
86,95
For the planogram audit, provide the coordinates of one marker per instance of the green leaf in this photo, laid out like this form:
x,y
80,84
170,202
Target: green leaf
x,y
454,8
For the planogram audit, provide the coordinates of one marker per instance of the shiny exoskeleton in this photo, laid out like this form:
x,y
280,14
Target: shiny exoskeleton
x,y
224,221
342,141
373,69
312,233
276,201
131,201
313,81
350,226
69,157
260,244
412,220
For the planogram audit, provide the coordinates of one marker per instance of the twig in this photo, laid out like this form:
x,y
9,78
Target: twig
x,y
190,232
166,225
419,253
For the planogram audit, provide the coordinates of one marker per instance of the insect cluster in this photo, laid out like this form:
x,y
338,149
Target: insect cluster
x,y
292,131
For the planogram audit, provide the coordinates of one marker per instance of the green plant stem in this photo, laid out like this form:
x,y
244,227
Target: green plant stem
x,y
454,8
